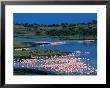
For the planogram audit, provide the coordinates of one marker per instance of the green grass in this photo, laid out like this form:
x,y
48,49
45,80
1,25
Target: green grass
x,y
21,45
38,52
75,37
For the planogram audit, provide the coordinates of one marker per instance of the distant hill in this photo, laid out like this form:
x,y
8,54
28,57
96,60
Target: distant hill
x,y
62,31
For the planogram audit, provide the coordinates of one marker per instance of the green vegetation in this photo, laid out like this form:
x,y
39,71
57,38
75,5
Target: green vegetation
x,y
61,31
21,45
37,52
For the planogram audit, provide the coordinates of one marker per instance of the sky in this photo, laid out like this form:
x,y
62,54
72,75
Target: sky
x,y
53,18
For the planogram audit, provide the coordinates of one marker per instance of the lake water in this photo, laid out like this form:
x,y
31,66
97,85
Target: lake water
x,y
69,46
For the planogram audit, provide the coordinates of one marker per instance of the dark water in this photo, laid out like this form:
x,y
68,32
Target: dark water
x,y
69,46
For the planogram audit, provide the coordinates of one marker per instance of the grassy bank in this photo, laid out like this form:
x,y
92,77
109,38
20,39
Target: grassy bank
x,y
38,52
75,37
70,37
21,44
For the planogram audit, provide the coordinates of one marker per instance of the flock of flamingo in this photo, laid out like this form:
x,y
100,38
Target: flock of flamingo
x,y
63,65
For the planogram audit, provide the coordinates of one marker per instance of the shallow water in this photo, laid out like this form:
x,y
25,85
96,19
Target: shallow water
x,y
69,46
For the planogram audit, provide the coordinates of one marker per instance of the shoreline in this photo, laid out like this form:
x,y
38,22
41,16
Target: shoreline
x,y
55,37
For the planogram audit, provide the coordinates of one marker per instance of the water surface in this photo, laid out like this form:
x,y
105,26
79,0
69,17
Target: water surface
x,y
69,46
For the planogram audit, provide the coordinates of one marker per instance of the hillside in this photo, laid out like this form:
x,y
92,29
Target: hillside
x,y
62,31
